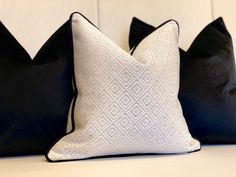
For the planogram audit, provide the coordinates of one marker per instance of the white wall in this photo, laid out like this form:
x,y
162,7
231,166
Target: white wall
x,y
33,21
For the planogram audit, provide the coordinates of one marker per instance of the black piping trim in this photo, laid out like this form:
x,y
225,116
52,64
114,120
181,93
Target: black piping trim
x,y
75,95
73,107
170,20
71,16
125,155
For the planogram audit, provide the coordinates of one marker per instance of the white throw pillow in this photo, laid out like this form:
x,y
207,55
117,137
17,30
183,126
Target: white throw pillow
x,y
125,104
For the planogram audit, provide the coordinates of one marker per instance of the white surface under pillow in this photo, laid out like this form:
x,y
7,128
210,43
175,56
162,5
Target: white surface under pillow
x,y
211,161
126,104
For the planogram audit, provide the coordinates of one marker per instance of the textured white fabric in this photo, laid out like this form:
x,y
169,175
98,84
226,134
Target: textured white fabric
x,y
126,104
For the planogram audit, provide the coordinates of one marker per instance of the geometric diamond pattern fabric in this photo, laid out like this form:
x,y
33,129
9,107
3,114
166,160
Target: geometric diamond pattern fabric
x,y
125,104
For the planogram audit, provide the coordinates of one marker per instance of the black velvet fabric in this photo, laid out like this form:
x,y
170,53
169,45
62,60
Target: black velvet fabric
x,y
207,82
35,95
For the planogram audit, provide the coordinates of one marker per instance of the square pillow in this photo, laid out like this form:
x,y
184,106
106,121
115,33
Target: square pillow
x,y
35,95
125,104
207,81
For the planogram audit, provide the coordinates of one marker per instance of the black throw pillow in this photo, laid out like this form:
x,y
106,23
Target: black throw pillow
x,y
35,95
207,81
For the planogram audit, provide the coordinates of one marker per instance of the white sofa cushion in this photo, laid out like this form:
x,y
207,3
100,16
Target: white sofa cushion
x,y
211,161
